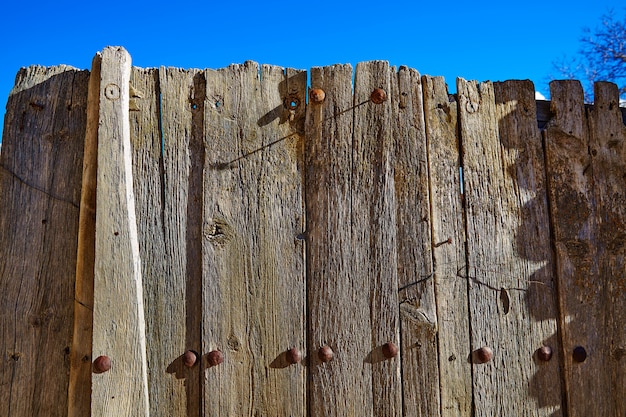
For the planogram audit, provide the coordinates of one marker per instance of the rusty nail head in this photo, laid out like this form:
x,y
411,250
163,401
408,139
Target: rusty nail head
x,y
325,354
293,356
190,358
378,96
317,95
483,355
580,354
101,364
390,350
544,353
215,357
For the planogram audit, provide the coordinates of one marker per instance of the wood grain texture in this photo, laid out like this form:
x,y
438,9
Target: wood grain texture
x,y
161,125
570,178
118,319
338,301
373,246
607,141
449,259
525,180
79,390
40,183
252,248
416,292
502,297
585,165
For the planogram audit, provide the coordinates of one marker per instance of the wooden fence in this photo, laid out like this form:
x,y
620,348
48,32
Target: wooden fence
x,y
237,244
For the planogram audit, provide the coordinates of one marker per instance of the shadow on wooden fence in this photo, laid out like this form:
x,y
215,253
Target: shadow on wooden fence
x,y
237,243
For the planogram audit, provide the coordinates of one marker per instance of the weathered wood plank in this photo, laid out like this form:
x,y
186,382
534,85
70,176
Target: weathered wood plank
x,y
418,315
161,166
338,301
253,255
524,161
448,237
40,182
373,244
502,170
118,319
570,185
607,142
79,391
586,164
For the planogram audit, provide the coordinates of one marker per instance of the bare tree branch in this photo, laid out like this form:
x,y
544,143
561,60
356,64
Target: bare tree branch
x,y
602,56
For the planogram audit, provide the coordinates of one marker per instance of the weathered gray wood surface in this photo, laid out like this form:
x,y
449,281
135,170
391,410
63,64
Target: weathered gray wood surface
x,y
40,183
338,301
571,202
533,307
373,242
502,172
265,222
118,316
416,291
252,251
585,163
161,121
607,143
448,241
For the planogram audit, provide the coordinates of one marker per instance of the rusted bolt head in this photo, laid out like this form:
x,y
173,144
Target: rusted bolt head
x,y
483,355
378,96
317,95
215,357
390,350
101,364
325,354
580,354
293,356
544,353
190,358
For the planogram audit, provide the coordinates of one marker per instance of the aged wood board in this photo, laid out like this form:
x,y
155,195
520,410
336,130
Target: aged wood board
x,y
511,288
252,245
118,311
40,188
448,247
585,165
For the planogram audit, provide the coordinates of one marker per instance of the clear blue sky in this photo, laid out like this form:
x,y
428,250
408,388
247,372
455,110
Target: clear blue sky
x,y
482,40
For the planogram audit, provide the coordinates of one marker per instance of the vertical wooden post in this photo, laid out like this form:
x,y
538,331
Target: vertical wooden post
x,y
373,246
448,238
338,300
161,119
585,160
607,143
502,277
253,288
415,286
118,318
40,172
